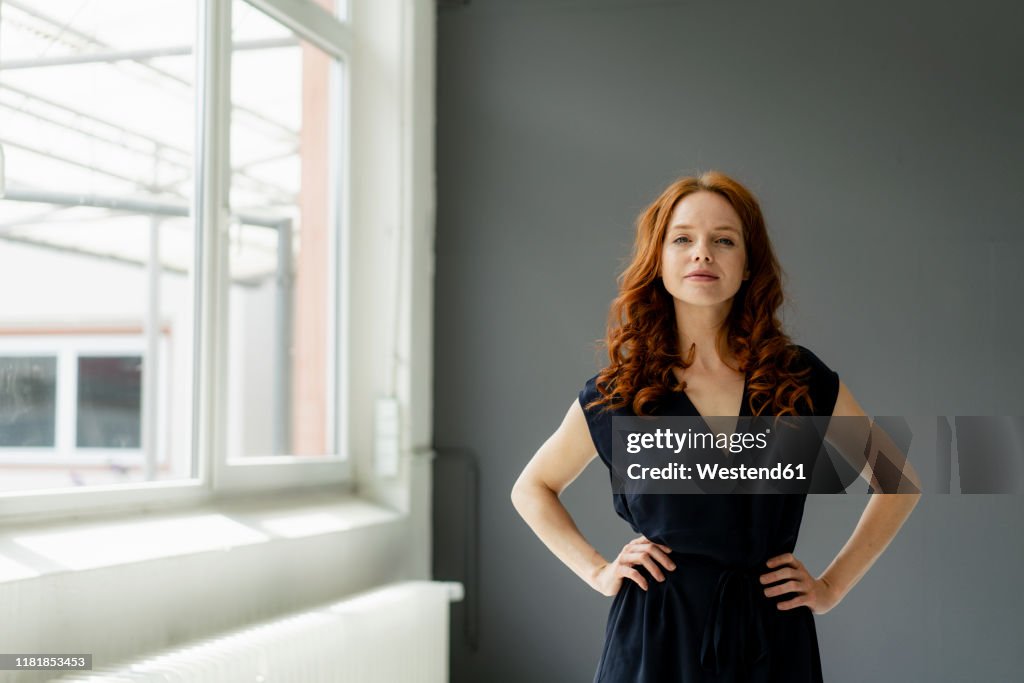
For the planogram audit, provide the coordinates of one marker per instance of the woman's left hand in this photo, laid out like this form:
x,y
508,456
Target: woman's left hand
x,y
812,592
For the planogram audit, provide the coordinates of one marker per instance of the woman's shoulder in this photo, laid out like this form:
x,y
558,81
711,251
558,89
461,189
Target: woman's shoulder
x,y
590,393
593,402
598,417
808,358
822,380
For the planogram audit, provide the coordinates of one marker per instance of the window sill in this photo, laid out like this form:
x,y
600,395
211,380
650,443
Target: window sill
x,y
32,550
123,585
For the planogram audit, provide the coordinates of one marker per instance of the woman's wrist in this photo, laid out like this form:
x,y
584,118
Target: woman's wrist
x,y
594,573
835,592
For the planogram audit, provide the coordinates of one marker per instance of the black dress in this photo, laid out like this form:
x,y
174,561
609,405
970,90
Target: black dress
x,y
709,621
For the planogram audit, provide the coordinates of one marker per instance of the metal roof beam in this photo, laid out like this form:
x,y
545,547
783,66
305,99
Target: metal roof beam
x,y
128,204
66,29
112,56
93,168
92,119
242,170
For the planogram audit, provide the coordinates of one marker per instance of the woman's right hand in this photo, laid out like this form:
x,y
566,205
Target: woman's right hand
x,y
640,551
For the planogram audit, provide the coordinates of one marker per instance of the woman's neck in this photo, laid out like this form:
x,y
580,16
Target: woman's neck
x,y
698,326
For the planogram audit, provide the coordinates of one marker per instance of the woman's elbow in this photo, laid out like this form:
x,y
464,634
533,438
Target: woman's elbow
x,y
519,493
525,492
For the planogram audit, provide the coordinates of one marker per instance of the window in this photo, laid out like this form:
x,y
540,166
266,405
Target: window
x,y
72,412
284,116
28,391
108,405
97,124
175,244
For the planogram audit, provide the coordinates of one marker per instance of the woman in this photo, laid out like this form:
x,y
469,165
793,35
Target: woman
x,y
710,590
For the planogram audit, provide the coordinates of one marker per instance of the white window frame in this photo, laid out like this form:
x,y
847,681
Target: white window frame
x,y
215,477
311,23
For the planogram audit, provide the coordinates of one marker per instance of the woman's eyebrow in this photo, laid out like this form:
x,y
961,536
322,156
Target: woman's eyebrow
x,y
721,228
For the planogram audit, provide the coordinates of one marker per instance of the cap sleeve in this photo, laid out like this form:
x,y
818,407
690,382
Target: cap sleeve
x,y
599,420
823,381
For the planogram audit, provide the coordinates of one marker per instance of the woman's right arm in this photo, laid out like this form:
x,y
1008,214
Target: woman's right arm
x,y
555,465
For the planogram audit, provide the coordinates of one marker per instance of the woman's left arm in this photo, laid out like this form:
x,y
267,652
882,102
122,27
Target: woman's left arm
x,y
881,520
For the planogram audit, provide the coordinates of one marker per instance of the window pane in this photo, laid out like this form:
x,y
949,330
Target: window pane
x,y
284,112
97,113
28,401
110,402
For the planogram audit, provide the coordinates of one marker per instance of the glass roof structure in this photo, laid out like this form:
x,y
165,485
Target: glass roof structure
x,y
97,123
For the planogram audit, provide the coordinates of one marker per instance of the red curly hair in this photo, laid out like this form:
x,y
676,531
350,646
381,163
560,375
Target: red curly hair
x,y
643,339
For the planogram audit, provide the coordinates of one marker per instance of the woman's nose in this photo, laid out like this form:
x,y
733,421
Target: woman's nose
x,y
701,252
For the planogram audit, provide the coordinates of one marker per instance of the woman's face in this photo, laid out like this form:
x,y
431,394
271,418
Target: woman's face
x,y
704,235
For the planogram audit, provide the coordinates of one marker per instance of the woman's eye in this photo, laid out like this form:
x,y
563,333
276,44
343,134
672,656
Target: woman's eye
x,y
727,241
681,239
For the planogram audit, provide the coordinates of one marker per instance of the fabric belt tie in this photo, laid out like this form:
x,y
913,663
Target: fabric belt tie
x,y
734,629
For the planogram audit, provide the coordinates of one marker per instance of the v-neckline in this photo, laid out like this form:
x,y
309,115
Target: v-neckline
x,y
744,403
744,409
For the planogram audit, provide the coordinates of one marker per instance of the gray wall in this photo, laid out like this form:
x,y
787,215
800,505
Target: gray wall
x,y
885,141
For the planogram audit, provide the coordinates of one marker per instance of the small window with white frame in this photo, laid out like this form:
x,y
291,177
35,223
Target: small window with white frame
x,y
71,410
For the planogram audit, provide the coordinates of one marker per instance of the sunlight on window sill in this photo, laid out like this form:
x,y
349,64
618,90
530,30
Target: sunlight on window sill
x,y
30,552
12,571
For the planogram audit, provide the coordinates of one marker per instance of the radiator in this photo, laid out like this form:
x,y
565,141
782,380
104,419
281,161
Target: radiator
x,y
394,634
